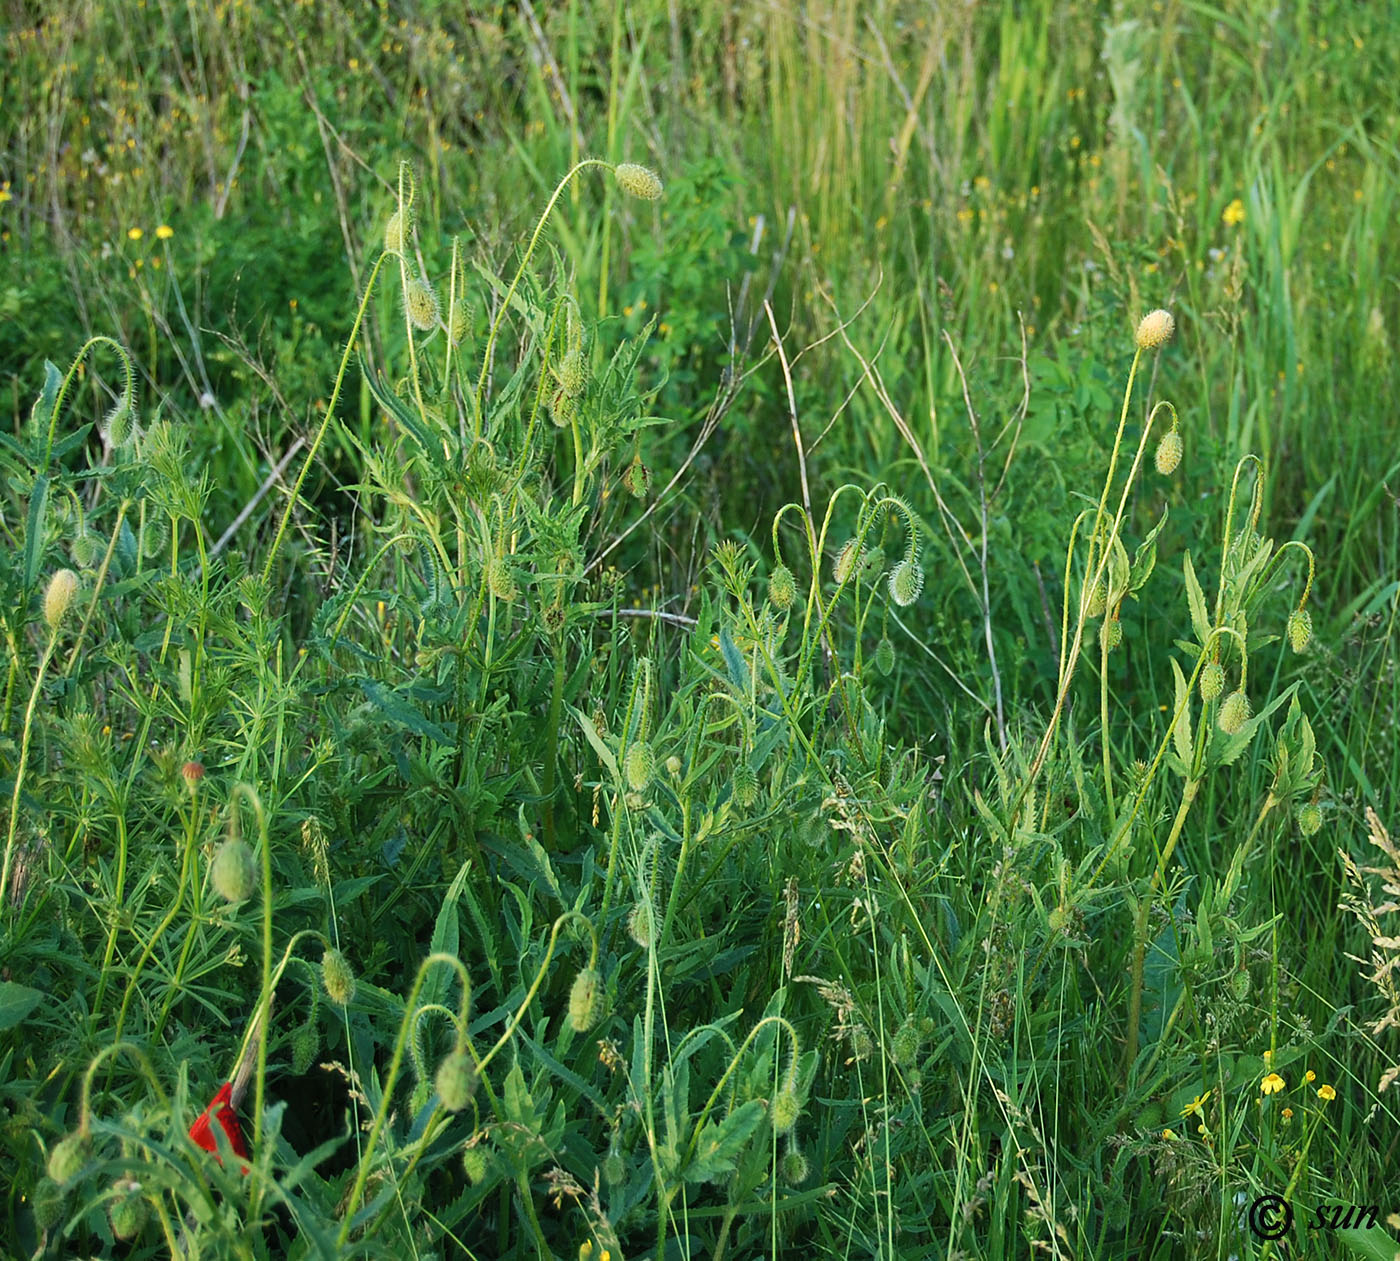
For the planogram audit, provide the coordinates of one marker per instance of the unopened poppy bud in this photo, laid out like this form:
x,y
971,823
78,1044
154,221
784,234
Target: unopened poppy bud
x,y
906,582
586,1000
1155,329
793,1167
456,1081
1299,629
906,1044
63,586
1169,453
1234,713
572,373
639,765
476,1162
1309,818
1212,681
303,1049
745,785
846,559
614,1169
638,181
1111,632
1098,601
67,1158
639,925
127,1211
192,773
48,1204
338,977
884,655
421,304
785,1111
396,231
782,588
500,580
233,874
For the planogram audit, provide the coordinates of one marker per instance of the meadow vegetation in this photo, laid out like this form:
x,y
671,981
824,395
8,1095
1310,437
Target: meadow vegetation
x,y
699,630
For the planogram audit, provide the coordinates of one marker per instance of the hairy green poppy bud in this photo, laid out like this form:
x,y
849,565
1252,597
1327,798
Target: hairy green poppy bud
x,y
782,588
639,765
58,595
421,304
1155,329
1234,712
563,409
572,373
1098,601
637,181
637,478
48,1204
233,875
304,1045
884,655
793,1167
456,1080
396,231
586,1000
745,785
1169,453
846,559
127,1211
1111,633
906,582
639,925
906,1044
67,1158
1212,681
338,977
785,1111
614,1169
1299,629
476,1162
500,580
119,423
1309,818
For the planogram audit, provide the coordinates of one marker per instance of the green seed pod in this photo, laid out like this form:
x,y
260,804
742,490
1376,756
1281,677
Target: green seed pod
x,y
639,766
67,1158
1309,818
884,656
421,304
456,1080
906,1044
500,580
906,582
396,231
586,1000
782,588
638,181
1212,681
476,1161
846,559
1234,712
745,785
48,1204
639,925
785,1110
1111,633
1098,601
793,1167
304,1047
127,1211
234,874
58,595
338,977
1169,453
1299,629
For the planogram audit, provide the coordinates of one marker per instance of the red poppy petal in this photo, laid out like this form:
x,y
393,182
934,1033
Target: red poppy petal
x,y
221,1109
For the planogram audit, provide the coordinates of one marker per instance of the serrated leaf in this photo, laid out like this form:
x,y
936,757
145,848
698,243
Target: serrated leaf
x,y
446,939
734,661
401,712
1181,733
1145,558
720,1146
1200,621
34,529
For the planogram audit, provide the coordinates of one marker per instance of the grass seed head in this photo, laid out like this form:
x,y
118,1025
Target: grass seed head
x,y
586,1000
1155,329
456,1080
1169,453
233,875
338,977
58,595
638,181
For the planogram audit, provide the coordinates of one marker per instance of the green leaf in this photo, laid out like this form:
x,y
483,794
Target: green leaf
x,y
1145,558
1200,622
1181,733
16,1002
720,1146
401,712
591,734
34,529
734,662
446,938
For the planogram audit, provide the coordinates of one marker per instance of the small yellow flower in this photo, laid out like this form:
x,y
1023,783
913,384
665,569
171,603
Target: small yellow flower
x,y
1309,1076
165,232
1196,1104
1326,1094
1271,1085
1169,1134
134,234
5,194
1287,1114
1234,213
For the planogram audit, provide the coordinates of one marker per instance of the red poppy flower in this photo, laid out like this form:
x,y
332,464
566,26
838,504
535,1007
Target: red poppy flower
x,y
220,1109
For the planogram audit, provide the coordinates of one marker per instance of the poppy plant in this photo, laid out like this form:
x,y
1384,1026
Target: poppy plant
x,y
220,1109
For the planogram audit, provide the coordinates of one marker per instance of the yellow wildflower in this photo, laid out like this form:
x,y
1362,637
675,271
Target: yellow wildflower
x,y
1326,1094
165,232
134,234
1196,1104
1234,213
1271,1085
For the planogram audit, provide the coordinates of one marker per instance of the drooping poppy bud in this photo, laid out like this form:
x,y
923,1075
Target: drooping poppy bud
x,y
220,1109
